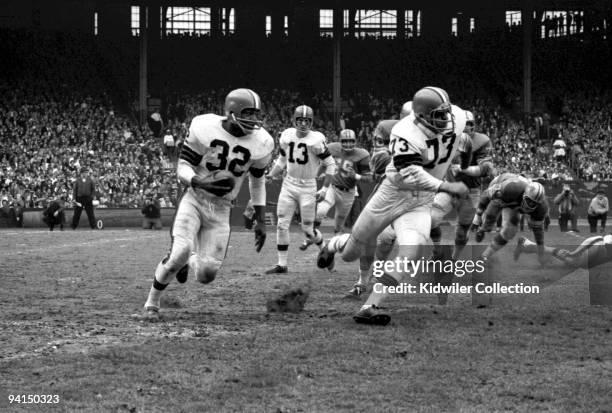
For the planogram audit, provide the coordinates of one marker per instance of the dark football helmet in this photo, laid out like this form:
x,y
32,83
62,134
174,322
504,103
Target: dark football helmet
x,y
243,108
432,108
303,117
382,134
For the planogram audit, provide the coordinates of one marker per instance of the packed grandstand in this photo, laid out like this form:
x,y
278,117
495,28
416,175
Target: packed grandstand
x,y
68,102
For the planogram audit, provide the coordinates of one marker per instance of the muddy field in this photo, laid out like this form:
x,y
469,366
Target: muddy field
x,y
67,331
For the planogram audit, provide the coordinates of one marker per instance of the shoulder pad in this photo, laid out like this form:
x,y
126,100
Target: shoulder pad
x,y
361,153
460,119
334,148
285,137
318,137
479,140
202,124
265,144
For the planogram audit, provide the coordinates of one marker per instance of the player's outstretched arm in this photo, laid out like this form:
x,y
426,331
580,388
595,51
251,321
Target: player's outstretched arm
x,y
327,162
364,173
279,166
459,189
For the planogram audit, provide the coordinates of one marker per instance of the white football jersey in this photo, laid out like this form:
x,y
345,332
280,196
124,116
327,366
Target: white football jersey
x,y
304,155
435,153
213,151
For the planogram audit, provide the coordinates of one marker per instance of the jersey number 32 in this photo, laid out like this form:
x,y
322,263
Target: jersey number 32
x,y
236,164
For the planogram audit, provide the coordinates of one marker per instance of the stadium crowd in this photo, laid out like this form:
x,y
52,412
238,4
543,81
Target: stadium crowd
x,y
55,124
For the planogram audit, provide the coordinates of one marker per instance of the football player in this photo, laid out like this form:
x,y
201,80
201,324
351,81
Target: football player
x,y
302,152
477,165
510,195
406,109
422,147
378,164
382,135
353,166
218,154
590,253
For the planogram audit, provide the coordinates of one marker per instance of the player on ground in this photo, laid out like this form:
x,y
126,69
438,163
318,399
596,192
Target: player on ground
x,y
476,167
422,147
509,195
302,152
353,166
216,157
590,253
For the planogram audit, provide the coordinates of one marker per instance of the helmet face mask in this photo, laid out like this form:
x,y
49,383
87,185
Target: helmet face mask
x,y
378,139
249,120
382,134
433,109
303,124
243,109
303,118
442,119
533,196
470,124
347,144
379,142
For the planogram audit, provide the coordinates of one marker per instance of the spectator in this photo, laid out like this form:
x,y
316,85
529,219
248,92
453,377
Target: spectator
x,y
7,212
83,195
598,211
152,214
567,202
169,145
559,150
54,214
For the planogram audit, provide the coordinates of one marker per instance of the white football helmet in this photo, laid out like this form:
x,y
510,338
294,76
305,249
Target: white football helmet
x,y
348,140
532,197
470,123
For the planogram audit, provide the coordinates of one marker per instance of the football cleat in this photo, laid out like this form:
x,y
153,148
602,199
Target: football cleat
x,y
479,235
519,248
278,269
182,274
357,290
305,244
372,315
151,313
325,258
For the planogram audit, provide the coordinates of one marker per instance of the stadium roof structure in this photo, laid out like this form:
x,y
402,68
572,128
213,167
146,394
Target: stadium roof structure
x,y
383,4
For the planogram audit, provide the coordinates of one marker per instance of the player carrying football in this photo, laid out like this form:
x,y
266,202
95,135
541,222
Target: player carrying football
x,y
423,145
477,166
218,154
302,152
